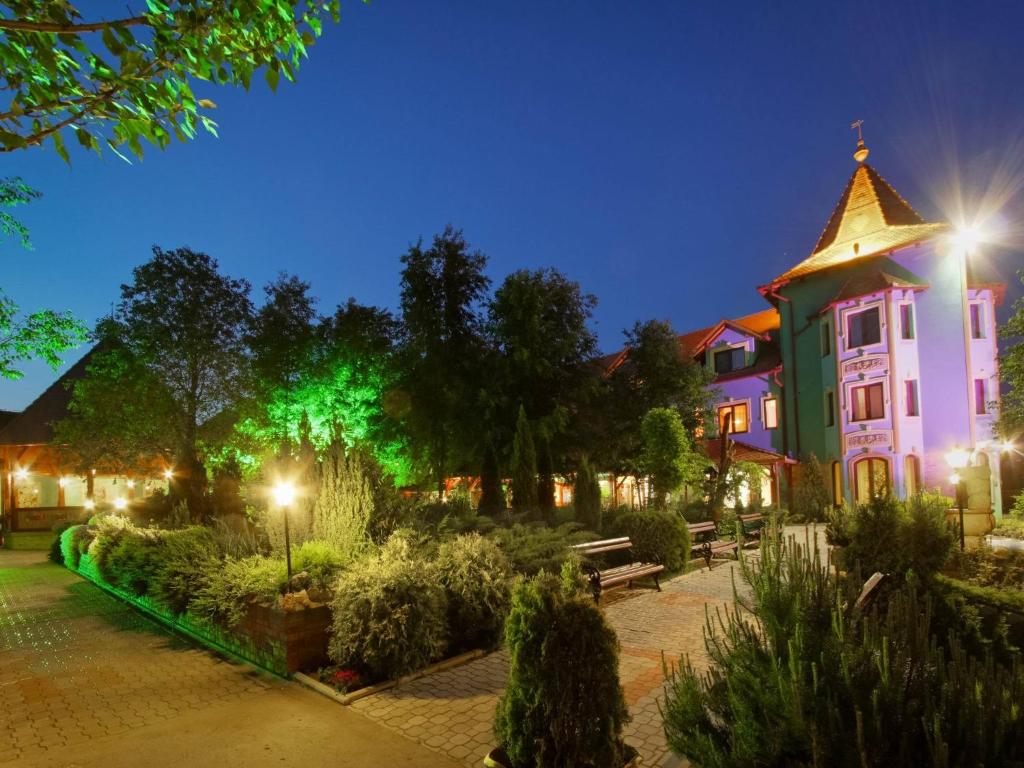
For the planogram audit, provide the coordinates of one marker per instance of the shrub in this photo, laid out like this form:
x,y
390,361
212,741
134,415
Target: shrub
x,y
109,528
1017,510
56,554
132,561
187,559
657,536
563,705
236,583
320,559
803,680
890,536
531,549
390,614
1010,527
344,502
812,497
476,577
70,541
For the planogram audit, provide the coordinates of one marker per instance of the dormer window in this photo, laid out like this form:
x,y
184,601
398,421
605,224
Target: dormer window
x,y
731,359
863,328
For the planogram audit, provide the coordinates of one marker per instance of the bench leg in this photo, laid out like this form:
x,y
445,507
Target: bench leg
x,y
657,584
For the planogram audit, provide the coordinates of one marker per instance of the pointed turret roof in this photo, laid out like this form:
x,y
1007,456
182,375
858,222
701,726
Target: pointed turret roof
x,y
871,218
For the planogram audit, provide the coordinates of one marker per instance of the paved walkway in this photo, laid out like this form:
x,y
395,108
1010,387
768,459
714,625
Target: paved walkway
x,y
452,711
87,681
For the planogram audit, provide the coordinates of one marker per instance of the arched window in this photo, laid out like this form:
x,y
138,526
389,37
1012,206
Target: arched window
x,y
837,484
870,478
912,471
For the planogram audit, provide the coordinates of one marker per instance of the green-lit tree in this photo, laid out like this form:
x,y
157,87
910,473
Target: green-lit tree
x,y
524,466
184,323
128,79
442,345
1011,372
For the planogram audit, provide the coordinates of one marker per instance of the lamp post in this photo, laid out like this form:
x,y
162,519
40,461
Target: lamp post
x,y
284,495
957,459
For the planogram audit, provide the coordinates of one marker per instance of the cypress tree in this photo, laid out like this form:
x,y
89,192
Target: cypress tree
x,y
587,497
545,481
492,497
524,466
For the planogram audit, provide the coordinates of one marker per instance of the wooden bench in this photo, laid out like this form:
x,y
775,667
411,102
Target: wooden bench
x,y
624,574
751,526
704,541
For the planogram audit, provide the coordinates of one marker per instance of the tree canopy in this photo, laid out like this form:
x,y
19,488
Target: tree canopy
x,y
119,81
1011,371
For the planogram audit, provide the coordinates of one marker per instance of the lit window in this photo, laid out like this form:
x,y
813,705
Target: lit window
x,y
912,470
731,359
913,408
868,402
735,417
980,397
863,328
977,321
770,412
830,409
871,479
906,321
826,340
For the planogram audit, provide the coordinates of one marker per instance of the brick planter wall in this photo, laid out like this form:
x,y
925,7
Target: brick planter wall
x,y
297,639
281,642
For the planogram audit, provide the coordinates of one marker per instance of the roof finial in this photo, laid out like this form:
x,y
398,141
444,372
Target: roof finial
x,y
862,151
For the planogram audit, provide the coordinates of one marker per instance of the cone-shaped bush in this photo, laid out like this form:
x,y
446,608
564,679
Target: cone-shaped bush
x,y
563,705
524,466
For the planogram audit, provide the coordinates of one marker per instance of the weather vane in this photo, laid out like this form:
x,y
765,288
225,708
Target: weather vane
x,y
862,151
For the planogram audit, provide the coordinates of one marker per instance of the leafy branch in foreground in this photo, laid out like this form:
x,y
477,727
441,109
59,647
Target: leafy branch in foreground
x,y
121,81
43,335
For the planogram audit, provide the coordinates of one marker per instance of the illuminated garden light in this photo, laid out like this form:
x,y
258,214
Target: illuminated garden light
x,y
130,483
89,505
1007,446
21,474
120,503
284,494
957,457
168,474
954,479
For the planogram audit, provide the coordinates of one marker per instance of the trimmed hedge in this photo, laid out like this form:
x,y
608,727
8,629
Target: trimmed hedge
x,y
477,580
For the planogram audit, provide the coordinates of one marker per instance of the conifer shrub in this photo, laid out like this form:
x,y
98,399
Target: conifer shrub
x,y
343,509
890,536
231,586
658,536
132,561
320,559
187,559
586,494
476,577
805,678
812,497
389,614
531,549
524,466
563,705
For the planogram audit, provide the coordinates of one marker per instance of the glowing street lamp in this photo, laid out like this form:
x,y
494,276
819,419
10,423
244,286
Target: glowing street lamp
x,y
284,497
168,474
957,458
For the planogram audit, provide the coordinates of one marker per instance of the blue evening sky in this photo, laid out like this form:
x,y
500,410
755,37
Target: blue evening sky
x,y
670,156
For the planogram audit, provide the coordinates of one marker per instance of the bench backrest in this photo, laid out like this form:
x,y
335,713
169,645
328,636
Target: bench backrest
x,y
705,527
753,517
605,545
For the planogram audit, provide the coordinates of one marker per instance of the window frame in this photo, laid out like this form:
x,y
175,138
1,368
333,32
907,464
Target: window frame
x,y
733,404
976,309
764,411
853,401
911,470
981,399
826,337
869,460
905,310
730,348
911,396
830,408
851,312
